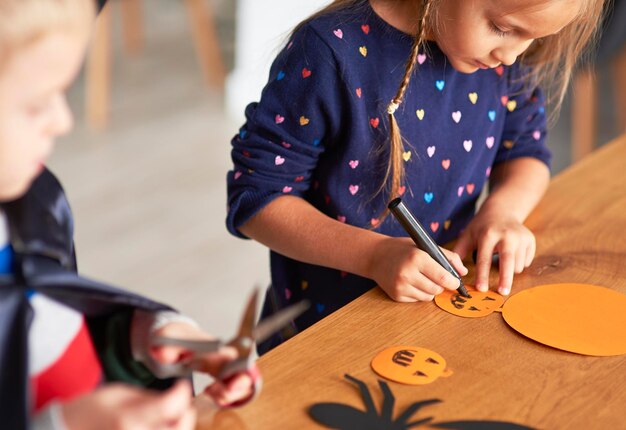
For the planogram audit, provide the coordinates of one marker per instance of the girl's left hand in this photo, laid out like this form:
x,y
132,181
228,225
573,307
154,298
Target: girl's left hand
x,y
491,232
237,388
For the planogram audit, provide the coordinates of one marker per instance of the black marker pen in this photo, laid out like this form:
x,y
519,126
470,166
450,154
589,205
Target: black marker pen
x,y
423,240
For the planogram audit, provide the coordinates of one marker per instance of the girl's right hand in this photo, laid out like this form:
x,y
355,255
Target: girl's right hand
x,y
408,274
120,407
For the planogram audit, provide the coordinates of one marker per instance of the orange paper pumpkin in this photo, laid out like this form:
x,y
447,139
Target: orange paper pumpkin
x,y
410,365
580,318
479,305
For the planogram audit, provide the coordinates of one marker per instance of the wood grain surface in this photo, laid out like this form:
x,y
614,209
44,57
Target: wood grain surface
x,y
499,374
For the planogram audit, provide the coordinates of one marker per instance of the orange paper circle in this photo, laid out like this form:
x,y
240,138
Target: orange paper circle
x,y
410,365
580,318
479,305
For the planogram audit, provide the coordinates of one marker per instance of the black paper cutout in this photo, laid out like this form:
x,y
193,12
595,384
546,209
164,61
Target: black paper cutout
x,y
480,425
345,417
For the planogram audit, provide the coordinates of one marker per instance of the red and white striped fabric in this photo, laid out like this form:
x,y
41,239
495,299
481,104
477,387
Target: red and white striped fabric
x,y
62,360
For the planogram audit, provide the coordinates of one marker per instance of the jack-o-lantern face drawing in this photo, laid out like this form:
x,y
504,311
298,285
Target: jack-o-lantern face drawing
x,y
410,365
479,305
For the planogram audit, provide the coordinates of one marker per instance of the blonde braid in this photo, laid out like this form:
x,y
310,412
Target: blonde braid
x,y
395,167
410,64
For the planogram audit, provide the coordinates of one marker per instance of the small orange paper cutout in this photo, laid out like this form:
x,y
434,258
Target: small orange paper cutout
x,y
479,305
580,318
410,365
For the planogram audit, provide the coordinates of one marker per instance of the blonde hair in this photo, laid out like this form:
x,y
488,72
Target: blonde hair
x,y
551,62
23,22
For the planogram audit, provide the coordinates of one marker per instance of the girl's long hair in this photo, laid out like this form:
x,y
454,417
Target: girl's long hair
x,y
551,62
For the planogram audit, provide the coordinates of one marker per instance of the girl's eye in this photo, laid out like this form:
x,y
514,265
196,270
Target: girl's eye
x,y
497,29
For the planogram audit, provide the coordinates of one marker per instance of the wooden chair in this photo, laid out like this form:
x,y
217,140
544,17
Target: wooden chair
x,y
99,59
585,106
585,89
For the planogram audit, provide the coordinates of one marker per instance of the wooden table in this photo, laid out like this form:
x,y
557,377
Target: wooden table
x,y
580,227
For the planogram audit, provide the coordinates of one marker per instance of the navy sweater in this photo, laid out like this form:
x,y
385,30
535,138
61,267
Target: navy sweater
x,y
320,132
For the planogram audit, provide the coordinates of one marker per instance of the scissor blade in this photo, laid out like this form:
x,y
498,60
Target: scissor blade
x,y
278,320
198,346
248,321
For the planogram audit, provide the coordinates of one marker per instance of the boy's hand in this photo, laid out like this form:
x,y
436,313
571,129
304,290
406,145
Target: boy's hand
x,y
491,232
223,393
121,407
237,388
408,274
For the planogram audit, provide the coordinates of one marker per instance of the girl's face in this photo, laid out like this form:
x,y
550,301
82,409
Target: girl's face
x,y
481,34
33,109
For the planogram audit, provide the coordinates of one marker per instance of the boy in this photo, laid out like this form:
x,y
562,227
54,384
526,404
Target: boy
x,y
63,336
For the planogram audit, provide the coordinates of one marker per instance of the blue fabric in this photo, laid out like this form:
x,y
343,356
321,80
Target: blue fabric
x,y
320,132
6,260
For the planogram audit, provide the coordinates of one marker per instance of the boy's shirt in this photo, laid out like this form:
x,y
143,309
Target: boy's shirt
x,y
41,223
62,360
6,254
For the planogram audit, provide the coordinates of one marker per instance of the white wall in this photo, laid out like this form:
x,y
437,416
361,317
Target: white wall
x,y
262,27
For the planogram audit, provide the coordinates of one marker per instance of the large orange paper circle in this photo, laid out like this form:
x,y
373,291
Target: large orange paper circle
x,y
410,365
580,318
479,305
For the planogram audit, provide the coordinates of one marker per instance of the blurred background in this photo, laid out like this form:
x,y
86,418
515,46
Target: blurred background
x,y
162,94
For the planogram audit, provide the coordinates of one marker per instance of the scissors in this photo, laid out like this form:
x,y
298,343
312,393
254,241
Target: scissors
x,y
247,336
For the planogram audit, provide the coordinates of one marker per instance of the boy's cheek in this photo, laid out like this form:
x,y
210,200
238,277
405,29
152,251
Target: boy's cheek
x,y
12,193
14,180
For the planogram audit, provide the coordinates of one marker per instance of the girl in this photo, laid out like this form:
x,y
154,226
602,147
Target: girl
x,y
65,339
321,154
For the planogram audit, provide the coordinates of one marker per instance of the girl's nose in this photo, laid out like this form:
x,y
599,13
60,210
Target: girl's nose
x,y
505,56
508,54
